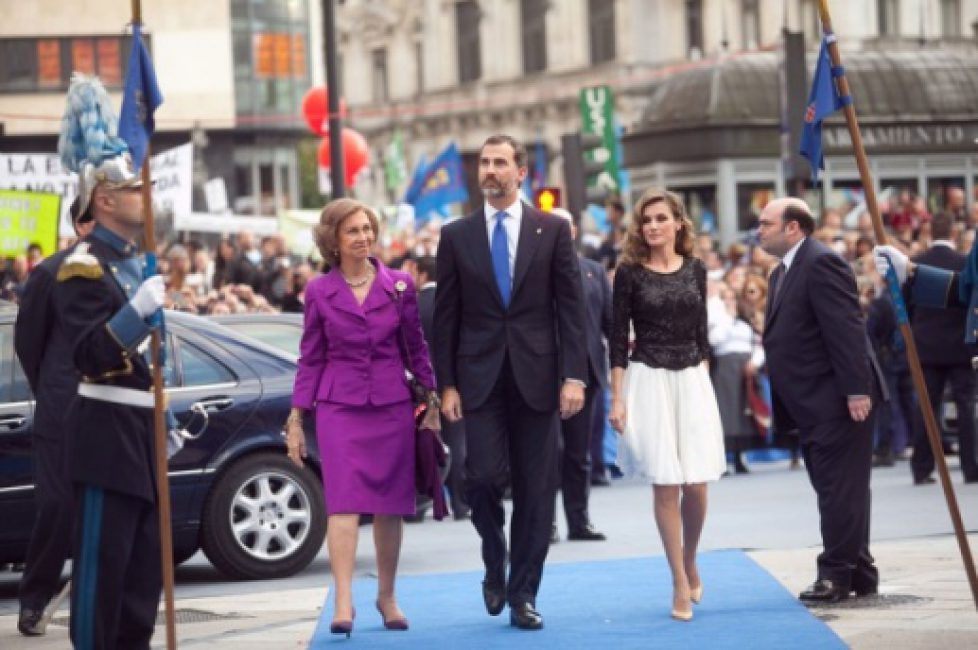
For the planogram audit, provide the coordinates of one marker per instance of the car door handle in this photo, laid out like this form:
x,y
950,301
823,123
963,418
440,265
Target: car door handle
x,y
212,404
12,421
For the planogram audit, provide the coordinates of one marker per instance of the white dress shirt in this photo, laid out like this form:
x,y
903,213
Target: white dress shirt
x,y
512,226
789,257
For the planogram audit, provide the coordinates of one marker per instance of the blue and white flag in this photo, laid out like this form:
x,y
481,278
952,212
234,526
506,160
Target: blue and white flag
x,y
823,100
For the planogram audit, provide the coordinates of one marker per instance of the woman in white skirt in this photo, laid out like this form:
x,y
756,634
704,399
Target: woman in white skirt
x,y
664,404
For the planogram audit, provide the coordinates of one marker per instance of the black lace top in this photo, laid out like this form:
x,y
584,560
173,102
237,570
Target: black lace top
x,y
668,311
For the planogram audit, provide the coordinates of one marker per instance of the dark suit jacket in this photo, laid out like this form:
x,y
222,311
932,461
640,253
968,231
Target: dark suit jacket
x,y
44,348
815,340
541,330
426,310
939,333
597,302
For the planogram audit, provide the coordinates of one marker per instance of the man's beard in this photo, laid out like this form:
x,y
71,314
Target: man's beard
x,y
494,189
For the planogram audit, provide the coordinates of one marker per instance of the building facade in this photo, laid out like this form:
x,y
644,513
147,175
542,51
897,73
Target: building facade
x,y
442,70
232,73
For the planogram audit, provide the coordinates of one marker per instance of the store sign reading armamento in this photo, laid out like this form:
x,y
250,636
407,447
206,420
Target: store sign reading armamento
x,y
902,138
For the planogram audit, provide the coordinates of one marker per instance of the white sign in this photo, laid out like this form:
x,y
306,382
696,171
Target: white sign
x,y
42,172
224,223
216,195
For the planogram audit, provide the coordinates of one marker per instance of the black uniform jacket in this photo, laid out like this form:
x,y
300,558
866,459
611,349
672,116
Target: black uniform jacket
x,y
111,444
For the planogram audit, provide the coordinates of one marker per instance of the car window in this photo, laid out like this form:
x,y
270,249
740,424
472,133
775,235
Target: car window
x,y
169,365
202,369
280,335
13,382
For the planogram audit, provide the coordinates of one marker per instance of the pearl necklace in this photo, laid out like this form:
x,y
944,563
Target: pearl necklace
x,y
356,284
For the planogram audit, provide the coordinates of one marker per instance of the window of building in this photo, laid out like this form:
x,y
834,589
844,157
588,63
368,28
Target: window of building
x,y
533,23
888,16
419,71
750,24
951,18
467,17
601,29
45,64
809,21
378,66
694,28
270,48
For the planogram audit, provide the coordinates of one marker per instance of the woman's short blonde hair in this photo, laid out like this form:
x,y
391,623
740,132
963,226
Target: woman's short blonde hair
x,y
636,249
326,234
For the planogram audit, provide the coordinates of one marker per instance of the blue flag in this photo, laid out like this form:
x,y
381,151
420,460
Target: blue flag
x,y
442,182
141,97
539,164
417,180
823,100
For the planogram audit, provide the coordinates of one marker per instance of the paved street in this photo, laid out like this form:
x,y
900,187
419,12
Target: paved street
x,y
925,600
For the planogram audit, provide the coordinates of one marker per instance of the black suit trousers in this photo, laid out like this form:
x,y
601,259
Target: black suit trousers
x,y
838,456
575,474
453,433
50,542
962,380
509,442
116,578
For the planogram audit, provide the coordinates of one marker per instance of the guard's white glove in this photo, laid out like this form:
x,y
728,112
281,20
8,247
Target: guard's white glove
x,y
149,296
898,259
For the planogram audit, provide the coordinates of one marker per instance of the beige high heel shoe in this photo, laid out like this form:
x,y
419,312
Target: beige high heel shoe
x,y
696,594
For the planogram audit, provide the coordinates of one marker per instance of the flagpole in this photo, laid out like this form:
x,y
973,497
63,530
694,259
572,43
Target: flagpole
x,y
159,400
930,422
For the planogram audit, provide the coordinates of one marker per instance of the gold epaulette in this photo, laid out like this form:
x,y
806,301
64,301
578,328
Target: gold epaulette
x,y
80,264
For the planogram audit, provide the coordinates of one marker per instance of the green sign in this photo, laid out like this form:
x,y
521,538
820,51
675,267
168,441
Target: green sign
x,y
598,118
26,218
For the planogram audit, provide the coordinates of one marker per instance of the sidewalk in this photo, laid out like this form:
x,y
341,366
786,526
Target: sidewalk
x,y
924,603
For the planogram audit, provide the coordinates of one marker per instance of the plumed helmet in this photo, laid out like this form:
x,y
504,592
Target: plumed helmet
x,y
89,144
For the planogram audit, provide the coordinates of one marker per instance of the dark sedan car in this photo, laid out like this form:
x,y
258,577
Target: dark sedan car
x,y
235,494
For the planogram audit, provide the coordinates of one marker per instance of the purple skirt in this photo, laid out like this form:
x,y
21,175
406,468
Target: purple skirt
x,y
368,458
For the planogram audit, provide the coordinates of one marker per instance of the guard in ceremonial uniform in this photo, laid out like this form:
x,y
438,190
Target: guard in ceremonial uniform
x,y
105,305
929,286
44,349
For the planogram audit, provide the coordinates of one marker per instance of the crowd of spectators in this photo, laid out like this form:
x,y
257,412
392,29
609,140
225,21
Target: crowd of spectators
x,y
245,273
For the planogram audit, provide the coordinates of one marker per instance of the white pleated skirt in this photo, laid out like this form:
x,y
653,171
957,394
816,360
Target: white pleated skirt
x,y
673,433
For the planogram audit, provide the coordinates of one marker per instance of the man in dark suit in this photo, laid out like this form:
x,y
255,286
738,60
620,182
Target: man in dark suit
x,y
822,385
508,354
945,358
43,346
575,473
453,433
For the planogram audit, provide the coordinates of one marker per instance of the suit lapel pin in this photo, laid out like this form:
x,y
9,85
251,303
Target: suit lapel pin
x,y
539,230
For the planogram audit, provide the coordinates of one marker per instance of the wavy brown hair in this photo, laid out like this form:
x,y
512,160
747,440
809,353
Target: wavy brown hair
x,y
636,249
326,234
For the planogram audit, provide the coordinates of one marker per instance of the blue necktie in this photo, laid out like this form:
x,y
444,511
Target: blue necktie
x,y
500,259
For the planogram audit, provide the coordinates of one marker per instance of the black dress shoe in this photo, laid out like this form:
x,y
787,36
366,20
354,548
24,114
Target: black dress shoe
x,y
29,622
494,596
600,480
525,617
924,480
554,535
586,534
824,591
867,590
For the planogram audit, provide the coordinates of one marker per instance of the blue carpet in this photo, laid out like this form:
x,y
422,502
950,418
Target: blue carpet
x,y
615,604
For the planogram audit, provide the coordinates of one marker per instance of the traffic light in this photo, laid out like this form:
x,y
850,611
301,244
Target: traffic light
x,y
547,198
582,169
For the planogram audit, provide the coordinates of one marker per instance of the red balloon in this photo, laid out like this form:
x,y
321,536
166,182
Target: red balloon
x,y
356,153
315,108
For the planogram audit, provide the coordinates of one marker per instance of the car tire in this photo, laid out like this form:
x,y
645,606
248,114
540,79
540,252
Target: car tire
x,y
264,518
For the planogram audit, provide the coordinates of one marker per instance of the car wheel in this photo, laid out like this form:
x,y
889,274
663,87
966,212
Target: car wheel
x,y
264,518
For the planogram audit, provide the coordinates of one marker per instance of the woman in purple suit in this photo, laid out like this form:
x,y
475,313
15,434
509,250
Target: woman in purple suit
x,y
358,317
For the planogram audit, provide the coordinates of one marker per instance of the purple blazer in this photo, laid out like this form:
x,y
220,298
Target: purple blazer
x,y
350,353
